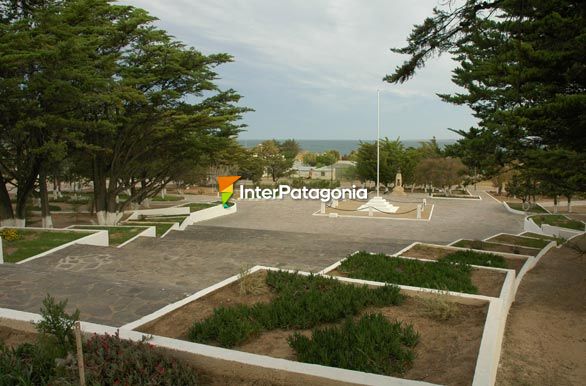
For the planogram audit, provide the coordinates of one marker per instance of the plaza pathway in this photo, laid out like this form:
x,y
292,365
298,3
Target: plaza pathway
x,y
116,286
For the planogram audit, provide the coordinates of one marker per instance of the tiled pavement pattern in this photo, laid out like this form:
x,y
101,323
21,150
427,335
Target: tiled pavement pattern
x,y
116,286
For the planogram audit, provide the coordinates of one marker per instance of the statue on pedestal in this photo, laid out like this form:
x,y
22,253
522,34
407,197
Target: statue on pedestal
x,y
398,188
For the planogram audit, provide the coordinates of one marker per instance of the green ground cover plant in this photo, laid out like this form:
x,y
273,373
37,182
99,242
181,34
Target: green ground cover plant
x,y
116,235
495,247
32,242
108,359
301,302
443,275
558,220
371,344
161,227
519,240
534,208
168,197
476,258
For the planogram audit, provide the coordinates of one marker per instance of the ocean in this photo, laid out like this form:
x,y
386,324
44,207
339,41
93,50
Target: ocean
x,y
342,146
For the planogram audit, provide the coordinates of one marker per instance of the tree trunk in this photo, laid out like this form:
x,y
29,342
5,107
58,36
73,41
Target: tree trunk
x,y
569,204
46,220
100,194
6,212
555,204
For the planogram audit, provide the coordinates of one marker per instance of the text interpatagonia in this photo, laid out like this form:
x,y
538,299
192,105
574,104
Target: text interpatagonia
x,y
303,193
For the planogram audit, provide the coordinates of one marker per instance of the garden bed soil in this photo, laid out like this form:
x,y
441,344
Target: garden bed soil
x,y
518,240
434,253
494,247
446,353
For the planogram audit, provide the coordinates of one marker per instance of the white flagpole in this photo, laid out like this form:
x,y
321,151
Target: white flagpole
x,y
377,143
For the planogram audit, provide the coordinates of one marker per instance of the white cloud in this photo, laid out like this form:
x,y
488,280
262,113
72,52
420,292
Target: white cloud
x,y
323,44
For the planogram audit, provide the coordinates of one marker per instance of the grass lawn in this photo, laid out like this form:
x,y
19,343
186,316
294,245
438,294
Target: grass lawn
x,y
532,208
195,206
32,242
168,197
162,227
442,275
519,240
538,236
559,221
52,208
116,235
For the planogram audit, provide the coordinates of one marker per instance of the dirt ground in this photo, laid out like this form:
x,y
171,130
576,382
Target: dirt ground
x,y
446,353
545,339
434,253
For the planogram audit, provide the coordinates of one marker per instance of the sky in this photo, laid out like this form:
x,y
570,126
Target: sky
x,y
311,69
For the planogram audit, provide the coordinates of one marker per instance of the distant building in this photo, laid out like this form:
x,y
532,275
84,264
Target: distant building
x,y
311,172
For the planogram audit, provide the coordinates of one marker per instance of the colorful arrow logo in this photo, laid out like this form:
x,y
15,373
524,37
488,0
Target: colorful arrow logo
x,y
226,187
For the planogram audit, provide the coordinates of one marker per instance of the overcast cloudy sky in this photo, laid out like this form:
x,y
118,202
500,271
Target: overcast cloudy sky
x,y
311,69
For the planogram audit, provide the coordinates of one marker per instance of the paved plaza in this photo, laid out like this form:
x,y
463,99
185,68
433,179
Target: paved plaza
x,y
118,285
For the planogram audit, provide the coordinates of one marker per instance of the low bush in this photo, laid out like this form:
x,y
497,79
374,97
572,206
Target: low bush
x,y
440,307
476,258
301,302
10,234
372,344
108,359
442,274
250,284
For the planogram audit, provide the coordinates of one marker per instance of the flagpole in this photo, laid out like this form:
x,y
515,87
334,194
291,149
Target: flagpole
x,y
378,143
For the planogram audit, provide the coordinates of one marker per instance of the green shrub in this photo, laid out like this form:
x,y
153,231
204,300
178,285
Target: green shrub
x,y
440,307
110,360
301,302
58,323
27,364
476,258
442,274
10,234
372,344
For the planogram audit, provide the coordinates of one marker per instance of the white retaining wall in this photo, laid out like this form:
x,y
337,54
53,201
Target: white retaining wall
x,y
210,213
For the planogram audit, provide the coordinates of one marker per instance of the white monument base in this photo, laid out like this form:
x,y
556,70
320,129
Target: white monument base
x,y
379,203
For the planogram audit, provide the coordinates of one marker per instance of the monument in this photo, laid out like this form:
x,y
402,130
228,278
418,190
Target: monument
x,y
398,188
